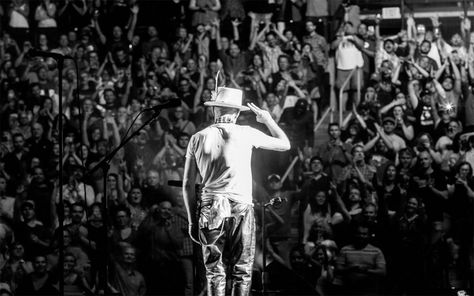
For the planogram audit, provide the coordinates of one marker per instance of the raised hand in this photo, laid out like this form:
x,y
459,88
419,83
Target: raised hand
x,y
410,20
236,22
262,116
217,23
466,24
435,21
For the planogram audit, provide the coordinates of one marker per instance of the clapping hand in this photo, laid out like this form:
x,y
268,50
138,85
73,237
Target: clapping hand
x,y
378,128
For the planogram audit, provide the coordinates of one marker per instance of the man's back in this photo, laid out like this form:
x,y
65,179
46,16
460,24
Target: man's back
x,y
223,153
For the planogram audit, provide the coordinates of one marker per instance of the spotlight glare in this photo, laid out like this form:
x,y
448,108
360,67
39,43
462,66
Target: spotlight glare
x,y
448,106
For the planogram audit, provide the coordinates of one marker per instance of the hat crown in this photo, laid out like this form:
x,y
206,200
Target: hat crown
x,y
229,95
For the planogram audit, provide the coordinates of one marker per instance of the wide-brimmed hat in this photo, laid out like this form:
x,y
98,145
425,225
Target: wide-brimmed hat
x,y
227,97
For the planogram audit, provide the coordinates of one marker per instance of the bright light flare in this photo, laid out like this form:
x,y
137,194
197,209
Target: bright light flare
x,y
448,106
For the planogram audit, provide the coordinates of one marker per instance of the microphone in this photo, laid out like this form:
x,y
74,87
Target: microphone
x,y
173,103
46,54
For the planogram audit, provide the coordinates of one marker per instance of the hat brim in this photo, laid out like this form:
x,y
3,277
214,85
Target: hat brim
x,y
220,104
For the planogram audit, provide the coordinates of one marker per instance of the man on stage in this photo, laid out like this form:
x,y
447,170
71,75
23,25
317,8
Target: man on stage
x,y
221,154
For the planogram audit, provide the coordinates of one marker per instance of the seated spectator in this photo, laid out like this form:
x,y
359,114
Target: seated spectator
x,y
360,265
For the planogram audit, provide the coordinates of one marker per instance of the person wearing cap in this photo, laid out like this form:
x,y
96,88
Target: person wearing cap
x,y
298,121
386,132
221,155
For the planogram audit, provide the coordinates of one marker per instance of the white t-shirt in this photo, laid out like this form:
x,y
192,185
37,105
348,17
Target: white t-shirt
x,y
348,56
223,156
17,20
397,142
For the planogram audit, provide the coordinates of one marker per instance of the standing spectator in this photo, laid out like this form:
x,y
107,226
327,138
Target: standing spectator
x,y
154,192
40,191
204,11
234,61
45,15
16,268
16,162
19,27
335,154
72,14
159,241
348,57
135,204
39,282
410,225
122,232
125,277
31,232
74,278
76,190
38,144
7,203
298,122
318,221
118,41
281,219
153,41
319,45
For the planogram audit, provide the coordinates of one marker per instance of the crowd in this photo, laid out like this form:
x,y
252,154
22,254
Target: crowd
x,y
382,206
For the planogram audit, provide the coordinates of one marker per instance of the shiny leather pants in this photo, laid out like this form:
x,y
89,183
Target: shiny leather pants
x,y
229,249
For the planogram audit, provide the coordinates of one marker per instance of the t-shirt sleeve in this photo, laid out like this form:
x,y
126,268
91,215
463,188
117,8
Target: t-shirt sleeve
x,y
256,137
191,146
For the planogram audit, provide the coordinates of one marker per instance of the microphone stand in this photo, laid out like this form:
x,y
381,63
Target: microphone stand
x,y
104,165
264,244
60,62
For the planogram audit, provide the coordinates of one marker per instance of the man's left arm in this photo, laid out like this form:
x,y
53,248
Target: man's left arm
x,y
278,141
189,189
